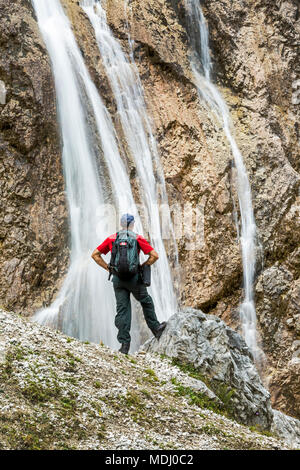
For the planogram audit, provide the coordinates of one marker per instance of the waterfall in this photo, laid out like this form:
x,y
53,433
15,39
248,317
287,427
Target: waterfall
x,y
128,93
201,68
85,305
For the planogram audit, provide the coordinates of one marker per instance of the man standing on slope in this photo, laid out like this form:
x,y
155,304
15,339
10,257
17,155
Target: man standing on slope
x,y
125,247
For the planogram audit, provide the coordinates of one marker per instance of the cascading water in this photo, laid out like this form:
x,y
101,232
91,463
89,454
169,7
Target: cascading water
x,y
128,93
201,68
85,305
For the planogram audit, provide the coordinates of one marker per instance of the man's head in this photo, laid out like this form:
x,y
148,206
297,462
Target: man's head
x,y
127,221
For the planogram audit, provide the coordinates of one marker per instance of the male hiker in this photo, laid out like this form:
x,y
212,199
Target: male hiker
x,y
125,246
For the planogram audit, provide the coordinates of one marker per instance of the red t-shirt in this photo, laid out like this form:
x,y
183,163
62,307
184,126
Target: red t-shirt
x,y
106,246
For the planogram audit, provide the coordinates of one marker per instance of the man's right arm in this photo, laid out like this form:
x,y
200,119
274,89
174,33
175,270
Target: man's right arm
x,y
96,255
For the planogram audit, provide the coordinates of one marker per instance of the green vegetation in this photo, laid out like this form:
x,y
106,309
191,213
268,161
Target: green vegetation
x,y
16,353
221,390
197,398
40,391
45,390
69,402
29,438
264,432
101,433
151,377
133,361
37,432
146,393
132,399
211,430
72,380
134,403
151,373
71,355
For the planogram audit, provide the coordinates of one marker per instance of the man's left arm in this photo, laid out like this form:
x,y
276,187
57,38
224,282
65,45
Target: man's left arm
x,y
153,257
148,250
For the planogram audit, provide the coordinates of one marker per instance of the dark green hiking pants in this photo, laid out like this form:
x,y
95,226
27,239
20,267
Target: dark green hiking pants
x,y
123,289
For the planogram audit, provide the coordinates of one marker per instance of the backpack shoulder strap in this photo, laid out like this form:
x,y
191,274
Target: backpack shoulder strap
x,y
114,250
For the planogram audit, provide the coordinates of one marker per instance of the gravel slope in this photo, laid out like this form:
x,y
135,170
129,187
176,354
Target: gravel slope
x,y
59,393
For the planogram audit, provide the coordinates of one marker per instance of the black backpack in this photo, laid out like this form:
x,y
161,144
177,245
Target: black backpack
x,y
124,261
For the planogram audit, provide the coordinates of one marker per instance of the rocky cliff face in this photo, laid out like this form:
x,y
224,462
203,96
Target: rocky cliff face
x,y
254,52
33,218
256,67
256,58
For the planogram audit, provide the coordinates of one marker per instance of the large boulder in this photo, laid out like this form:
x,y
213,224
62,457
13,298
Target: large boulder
x,y
222,357
287,428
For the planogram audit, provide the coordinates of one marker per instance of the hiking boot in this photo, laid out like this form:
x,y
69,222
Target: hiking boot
x,y
157,333
124,348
